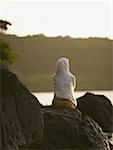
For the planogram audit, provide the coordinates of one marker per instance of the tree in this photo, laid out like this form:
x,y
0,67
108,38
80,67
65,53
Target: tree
x,y
7,55
3,24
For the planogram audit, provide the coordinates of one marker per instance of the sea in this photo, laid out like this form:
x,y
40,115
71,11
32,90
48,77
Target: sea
x,y
45,98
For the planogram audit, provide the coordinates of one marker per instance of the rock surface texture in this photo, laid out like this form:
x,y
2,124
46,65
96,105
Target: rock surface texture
x,y
20,117
99,108
66,129
26,125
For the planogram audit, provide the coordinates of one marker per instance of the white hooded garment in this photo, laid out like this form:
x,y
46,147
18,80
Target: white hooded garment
x,y
64,81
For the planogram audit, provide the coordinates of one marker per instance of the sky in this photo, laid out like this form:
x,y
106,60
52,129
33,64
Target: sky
x,y
82,18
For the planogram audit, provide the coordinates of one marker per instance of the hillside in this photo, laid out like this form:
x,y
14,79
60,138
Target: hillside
x,y
91,60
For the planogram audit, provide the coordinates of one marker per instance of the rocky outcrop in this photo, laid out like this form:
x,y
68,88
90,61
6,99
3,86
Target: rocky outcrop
x,y
99,108
20,116
25,124
66,129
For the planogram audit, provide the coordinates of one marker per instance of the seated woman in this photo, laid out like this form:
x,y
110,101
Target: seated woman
x,y
64,85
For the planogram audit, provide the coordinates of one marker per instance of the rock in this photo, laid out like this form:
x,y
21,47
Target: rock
x,y
99,108
111,146
20,116
64,128
4,65
26,125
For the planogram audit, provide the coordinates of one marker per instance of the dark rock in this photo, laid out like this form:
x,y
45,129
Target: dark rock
x,y
4,65
65,129
25,124
111,146
20,117
99,108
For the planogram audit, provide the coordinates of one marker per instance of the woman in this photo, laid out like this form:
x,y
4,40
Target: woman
x,y
64,85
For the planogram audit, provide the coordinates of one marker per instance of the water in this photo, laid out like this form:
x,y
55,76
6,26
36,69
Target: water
x,y
45,98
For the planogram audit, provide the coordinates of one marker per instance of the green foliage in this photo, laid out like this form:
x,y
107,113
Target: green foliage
x,y
6,53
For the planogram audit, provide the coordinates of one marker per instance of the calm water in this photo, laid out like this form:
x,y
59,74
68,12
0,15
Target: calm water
x,y
45,98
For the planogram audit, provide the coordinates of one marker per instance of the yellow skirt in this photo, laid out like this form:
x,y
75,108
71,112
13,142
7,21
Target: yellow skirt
x,y
63,103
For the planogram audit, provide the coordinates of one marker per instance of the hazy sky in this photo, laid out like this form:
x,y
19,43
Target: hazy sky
x,y
74,18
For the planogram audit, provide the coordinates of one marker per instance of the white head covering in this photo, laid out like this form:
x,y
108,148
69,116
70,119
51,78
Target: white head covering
x,y
62,65
64,81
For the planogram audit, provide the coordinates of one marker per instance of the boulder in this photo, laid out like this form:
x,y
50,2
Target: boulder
x,y
25,124
20,116
99,108
65,129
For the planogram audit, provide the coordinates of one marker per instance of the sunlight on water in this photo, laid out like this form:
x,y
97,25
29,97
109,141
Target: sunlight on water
x,y
45,98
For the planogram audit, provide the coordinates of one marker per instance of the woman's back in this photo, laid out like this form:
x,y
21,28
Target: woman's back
x,y
64,81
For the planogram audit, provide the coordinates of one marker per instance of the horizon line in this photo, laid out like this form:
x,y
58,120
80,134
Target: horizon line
x,y
62,36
